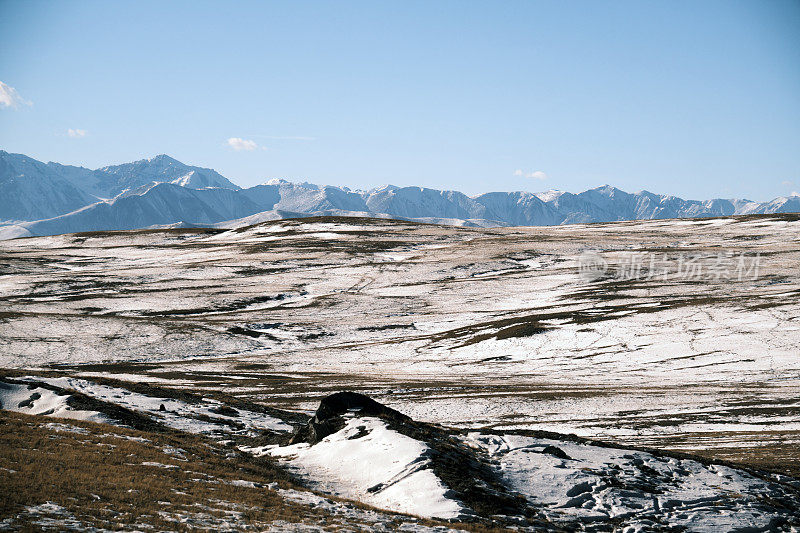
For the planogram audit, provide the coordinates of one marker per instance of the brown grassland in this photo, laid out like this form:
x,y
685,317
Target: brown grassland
x,y
114,478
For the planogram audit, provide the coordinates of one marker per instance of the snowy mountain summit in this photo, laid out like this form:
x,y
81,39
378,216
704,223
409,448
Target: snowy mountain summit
x,y
49,198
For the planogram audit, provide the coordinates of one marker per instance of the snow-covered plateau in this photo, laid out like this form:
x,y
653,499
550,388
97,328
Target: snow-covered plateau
x,y
534,377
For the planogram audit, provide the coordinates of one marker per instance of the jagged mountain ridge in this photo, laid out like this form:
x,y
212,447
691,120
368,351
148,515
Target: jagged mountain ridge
x,y
161,168
49,198
32,190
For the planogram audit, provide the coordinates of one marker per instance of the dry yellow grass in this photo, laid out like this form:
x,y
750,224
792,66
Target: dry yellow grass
x,y
100,477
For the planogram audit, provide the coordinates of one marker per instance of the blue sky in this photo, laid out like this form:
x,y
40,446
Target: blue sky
x,y
693,98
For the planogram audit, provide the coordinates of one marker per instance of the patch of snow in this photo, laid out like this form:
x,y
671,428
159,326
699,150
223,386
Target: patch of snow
x,y
159,465
245,483
176,414
66,428
368,462
598,483
33,400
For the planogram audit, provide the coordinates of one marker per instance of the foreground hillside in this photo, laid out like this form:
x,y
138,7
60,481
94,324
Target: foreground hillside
x,y
672,335
174,460
137,471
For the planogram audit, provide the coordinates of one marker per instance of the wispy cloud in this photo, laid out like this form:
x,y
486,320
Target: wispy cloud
x,y
239,144
787,183
535,175
9,97
76,133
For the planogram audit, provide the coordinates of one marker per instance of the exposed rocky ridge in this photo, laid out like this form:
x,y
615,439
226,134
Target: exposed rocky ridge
x,y
329,417
467,473
499,482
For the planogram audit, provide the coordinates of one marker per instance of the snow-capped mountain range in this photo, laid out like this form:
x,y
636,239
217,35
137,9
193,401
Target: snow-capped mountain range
x,y
49,198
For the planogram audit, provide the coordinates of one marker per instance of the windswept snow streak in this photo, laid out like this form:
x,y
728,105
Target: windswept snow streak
x,y
34,400
203,417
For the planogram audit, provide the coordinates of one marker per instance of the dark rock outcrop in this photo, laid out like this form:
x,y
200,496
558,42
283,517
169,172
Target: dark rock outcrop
x,y
467,472
329,416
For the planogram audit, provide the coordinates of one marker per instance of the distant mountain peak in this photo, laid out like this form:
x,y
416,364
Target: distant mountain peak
x,y
163,158
608,189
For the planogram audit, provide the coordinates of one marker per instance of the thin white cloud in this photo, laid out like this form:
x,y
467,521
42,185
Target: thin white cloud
x,y
538,175
76,133
239,144
9,97
535,175
787,183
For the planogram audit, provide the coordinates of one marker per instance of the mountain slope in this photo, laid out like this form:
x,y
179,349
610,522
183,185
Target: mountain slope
x,y
419,202
29,190
519,209
303,197
159,204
